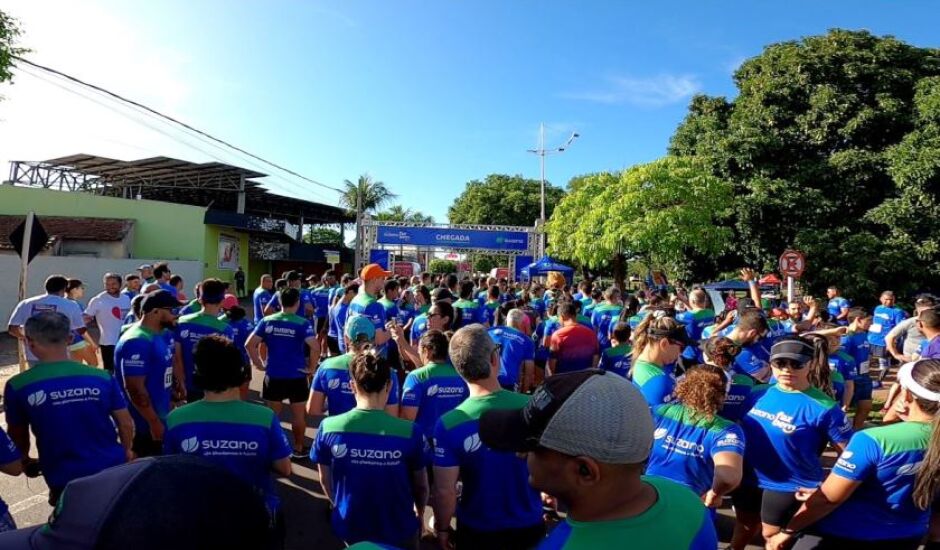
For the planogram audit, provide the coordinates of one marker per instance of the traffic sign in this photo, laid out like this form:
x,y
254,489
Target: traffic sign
x,y
792,263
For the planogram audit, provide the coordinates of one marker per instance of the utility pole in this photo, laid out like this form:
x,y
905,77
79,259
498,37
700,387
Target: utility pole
x,y
541,152
357,256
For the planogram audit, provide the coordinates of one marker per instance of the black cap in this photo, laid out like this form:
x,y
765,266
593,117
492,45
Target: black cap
x,y
159,299
676,334
792,348
293,276
180,502
520,431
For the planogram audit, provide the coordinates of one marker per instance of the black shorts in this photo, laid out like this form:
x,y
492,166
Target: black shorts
x,y
294,390
521,538
107,358
746,498
332,344
145,446
321,325
778,507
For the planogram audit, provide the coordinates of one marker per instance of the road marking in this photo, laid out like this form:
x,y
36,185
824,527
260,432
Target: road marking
x,y
28,503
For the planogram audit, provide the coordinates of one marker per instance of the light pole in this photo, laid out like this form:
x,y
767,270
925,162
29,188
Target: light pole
x,y
541,152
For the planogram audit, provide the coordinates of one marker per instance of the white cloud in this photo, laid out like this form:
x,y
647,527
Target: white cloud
x,y
652,91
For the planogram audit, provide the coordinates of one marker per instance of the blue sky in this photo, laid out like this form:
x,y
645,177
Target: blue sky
x,y
422,95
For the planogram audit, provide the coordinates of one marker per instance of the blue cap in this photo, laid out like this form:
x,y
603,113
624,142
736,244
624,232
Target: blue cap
x,y
359,325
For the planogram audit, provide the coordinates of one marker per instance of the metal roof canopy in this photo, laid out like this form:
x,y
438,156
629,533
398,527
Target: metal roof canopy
x,y
167,179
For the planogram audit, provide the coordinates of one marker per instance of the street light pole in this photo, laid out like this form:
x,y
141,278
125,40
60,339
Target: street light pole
x,y
541,152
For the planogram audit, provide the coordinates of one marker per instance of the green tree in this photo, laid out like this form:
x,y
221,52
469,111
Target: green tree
x,y
438,266
809,144
399,213
375,194
9,37
323,235
503,200
485,262
657,212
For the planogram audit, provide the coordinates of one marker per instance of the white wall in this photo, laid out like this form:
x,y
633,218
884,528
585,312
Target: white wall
x,y
89,270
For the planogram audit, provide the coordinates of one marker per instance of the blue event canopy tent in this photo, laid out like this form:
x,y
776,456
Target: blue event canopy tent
x,y
546,264
733,284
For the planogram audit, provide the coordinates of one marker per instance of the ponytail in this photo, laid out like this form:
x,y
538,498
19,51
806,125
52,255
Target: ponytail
x,y
926,373
820,375
640,337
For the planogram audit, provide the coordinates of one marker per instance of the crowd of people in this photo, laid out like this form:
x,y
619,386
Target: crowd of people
x,y
480,412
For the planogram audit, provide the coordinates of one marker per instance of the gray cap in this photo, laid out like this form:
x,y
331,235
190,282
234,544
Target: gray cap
x,y
585,413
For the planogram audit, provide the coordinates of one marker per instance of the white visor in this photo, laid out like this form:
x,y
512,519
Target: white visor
x,y
907,381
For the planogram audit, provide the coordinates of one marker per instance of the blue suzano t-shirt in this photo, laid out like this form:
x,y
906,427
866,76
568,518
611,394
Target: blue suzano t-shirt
x,y
241,437
372,457
603,318
141,352
332,380
885,319
259,300
68,406
496,492
434,389
885,460
321,300
284,335
192,328
684,446
617,360
516,348
786,431
367,306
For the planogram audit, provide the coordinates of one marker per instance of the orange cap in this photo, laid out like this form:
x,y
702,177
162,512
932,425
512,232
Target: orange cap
x,y
373,271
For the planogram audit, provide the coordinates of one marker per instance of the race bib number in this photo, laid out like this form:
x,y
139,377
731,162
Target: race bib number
x,y
875,327
168,378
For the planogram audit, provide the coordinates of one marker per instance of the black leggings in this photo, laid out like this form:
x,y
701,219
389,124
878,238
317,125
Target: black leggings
x,y
825,542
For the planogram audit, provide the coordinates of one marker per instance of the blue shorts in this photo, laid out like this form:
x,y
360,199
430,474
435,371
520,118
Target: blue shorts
x,y
863,387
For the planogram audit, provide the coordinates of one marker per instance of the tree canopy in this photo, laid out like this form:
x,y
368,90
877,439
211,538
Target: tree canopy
x,y
438,266
9,37
503,200
323,235
830,146
660,212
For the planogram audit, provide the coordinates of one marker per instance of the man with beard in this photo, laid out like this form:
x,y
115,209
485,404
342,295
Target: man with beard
x,y
143,366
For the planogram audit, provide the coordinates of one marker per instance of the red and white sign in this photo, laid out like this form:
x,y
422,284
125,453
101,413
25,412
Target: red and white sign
x,y
792,263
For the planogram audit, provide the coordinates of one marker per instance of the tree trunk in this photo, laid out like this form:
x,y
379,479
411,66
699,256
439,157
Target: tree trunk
x,y
620,271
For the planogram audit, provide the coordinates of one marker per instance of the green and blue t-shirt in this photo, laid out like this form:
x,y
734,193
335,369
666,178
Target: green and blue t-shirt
x,y
320,298
367,306
695,323
737,395
140,352
684,445
856,345
434,389
372,456
284,335
496,492
192,328
885,460
332,379
654,382
68,406
471,312
658,528
515,349
603,318
241,437
617,360
786,431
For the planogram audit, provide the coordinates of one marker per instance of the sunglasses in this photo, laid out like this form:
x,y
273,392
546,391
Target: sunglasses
x,y
787,364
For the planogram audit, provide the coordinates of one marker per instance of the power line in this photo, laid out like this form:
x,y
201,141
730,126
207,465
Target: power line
x,y
130,115
173,120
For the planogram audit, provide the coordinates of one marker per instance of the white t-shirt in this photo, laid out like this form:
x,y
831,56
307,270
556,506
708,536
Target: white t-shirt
x,y
46,302
109,312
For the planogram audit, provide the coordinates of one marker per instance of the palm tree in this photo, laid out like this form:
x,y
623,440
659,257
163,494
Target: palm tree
x,y
399,213
374,194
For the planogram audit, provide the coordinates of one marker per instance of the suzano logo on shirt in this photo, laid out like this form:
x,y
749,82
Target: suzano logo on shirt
x,y
193,444
57,397
472,443
777,420
435,389
730,439
681,444
280,331
184,333
341,450
336,383
910,469
659,433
